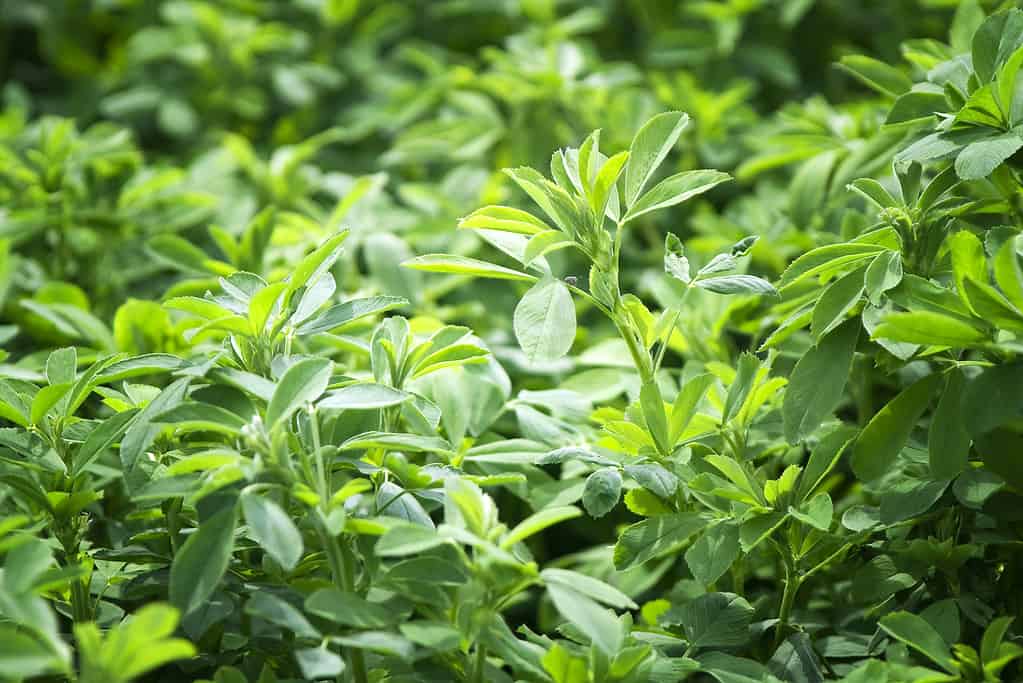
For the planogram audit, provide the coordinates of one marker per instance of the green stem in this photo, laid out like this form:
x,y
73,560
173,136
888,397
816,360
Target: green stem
x,y
81,609
344,578
479,668
788,599
640,357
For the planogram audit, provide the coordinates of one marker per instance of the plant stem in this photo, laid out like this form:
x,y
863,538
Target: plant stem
x,y
479,668
81,610
788,599
343,574
341,563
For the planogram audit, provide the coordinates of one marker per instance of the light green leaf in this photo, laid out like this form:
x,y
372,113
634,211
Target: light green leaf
x,y
928,327
649,148
877,75
736,284
544,321
883,273
675,190
367,396
463,265
588,616
301,383
272,529
835,302
537,522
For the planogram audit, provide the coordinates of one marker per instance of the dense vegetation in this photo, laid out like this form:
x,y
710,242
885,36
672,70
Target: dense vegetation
x,y
317,365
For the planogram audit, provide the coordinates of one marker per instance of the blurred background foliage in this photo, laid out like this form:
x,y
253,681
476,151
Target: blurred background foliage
x,y
127,123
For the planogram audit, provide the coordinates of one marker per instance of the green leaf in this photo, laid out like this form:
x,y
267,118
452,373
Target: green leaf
x,y
349,311
915,632
262,306
716,620
877,75
645,540
883,273
398,441
649,148
736,284
602,491
408,539
367,396
563,667
675,190
273,609
505,219
317,663
817,512
675,262
968,260
141,644
604,197
1008,273
589,586
992,639
686,403
818,381
201,308
992,398
588,616
45,399
544,321
835,303
349,609
22,656
202,560
463,265
654,415
314,265
273,530
997,37
713,553
829,259
968,18
544,243
927,327
61,366
12,405
916,105
101,438
182,254
535,523
980,159
746,372
654,478
25,564
874,192
823,458
302,383
948,442
884,437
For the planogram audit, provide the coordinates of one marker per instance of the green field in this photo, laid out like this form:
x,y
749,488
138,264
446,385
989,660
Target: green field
x,y
500,341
